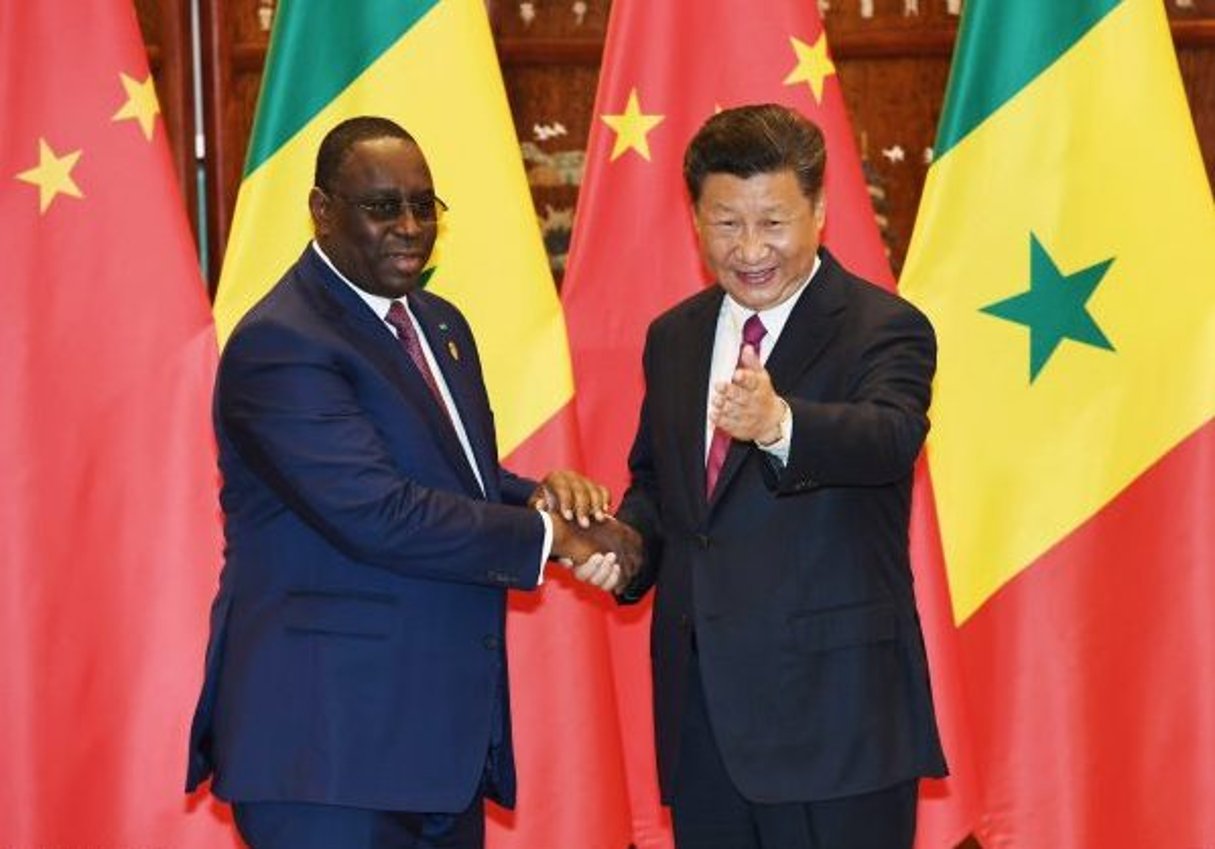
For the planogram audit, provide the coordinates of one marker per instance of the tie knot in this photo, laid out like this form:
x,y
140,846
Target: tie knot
x,y
754,331
398,317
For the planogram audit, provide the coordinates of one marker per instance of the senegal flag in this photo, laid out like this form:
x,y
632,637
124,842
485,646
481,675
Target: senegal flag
x,y
1065,252
430,66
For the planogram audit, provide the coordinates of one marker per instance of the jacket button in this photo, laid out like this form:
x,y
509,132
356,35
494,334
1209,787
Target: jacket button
x,y
702,540
490,642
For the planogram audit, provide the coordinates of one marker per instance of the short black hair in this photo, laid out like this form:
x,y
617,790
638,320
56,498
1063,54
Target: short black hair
x,y
757,139
340,139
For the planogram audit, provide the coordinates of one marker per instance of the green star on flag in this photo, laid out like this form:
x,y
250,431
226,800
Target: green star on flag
x,y
1054,307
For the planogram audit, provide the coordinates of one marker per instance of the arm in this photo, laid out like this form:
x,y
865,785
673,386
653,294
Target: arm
x,y
873,436
640,506
870,437
292,415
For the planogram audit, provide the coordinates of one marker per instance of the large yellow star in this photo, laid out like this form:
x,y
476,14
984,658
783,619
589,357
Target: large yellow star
x,y
141,103
52,175
631,127
813,65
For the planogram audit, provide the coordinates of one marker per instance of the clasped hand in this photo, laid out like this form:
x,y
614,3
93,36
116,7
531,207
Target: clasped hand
x,y
598,549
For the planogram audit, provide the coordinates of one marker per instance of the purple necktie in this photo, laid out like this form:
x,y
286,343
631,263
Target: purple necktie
x,y
398,317
753,333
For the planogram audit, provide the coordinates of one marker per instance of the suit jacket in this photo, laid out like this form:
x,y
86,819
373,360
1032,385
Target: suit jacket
x,y
794,580
357,639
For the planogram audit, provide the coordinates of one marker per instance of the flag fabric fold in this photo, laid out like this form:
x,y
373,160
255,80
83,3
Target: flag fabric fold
x,y
667,67
430,66
1065,251
109,526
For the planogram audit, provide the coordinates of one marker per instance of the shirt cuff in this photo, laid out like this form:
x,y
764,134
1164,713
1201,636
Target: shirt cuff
x,y
548,543
780,448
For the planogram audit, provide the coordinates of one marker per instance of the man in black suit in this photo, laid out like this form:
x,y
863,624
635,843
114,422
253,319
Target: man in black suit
x,y
356,693
771,483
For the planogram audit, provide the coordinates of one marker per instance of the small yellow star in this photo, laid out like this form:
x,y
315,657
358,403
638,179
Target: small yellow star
x,y
813,65
52,175
141,103
631,127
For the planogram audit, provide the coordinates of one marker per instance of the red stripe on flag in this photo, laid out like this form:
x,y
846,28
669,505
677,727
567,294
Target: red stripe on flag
x,y
563,699
1090,678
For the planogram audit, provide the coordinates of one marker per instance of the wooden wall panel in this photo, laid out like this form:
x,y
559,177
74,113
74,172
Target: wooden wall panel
x,y
235,35
165,26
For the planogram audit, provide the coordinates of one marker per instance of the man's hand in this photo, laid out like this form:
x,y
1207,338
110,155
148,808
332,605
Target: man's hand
x,y
624,542
574,497
747,407
605,554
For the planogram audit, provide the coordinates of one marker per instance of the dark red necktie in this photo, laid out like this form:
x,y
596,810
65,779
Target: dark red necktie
x,y
407,334
753,333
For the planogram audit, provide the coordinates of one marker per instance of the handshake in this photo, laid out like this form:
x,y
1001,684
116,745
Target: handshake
x,y
598,549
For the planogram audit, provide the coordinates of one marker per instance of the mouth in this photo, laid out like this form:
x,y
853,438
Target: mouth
x,y
406,262
756,277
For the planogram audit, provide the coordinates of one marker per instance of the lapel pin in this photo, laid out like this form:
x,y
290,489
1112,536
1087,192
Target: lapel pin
x,y
453,350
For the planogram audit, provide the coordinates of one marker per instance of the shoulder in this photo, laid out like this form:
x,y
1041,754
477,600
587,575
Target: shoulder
x,y
868,302
702,305
439,307
294,316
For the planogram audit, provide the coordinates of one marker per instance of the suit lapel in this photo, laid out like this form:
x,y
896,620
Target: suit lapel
x,y
693,366
450,352
364,330
809,330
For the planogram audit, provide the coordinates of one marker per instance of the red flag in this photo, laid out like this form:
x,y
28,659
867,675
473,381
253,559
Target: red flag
x,y
108,517
572,789
667,68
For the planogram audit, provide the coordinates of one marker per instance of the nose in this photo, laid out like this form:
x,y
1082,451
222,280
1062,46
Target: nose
x,y
751,245
408,222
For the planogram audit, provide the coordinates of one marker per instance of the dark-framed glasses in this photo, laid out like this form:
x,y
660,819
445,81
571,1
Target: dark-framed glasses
x,y
426,211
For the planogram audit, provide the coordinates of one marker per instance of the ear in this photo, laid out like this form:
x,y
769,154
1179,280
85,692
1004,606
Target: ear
x,y
321,209
820,209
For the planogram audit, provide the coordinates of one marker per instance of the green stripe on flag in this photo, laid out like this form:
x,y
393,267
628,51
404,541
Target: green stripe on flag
x,y
999,53
314,56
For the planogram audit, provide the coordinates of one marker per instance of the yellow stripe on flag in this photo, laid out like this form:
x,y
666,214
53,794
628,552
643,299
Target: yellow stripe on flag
x,y
1077,160
442,83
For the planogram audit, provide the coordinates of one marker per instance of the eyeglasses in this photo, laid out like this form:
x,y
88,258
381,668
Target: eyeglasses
x,y
425,211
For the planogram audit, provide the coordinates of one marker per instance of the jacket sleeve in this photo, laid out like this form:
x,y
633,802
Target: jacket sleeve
x,y
640,506
290,411
872,436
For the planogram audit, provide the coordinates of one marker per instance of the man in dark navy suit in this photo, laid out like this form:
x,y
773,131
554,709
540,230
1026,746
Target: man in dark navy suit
x,y
356,688
771,481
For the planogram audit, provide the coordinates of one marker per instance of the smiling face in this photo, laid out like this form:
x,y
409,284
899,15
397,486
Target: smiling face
x,y
381,254
758,235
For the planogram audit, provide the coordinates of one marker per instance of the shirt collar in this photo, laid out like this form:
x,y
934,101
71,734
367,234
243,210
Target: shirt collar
x,y
376,303
775,317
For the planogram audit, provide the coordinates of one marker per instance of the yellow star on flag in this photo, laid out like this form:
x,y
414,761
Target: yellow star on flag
x,y
813,65
52,175
631,128
141,103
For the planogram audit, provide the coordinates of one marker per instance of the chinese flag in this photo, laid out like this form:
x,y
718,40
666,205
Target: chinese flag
x,y
1065,252
668,67
109,530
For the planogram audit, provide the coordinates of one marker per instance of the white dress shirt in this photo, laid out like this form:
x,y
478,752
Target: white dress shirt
x,y
726,343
